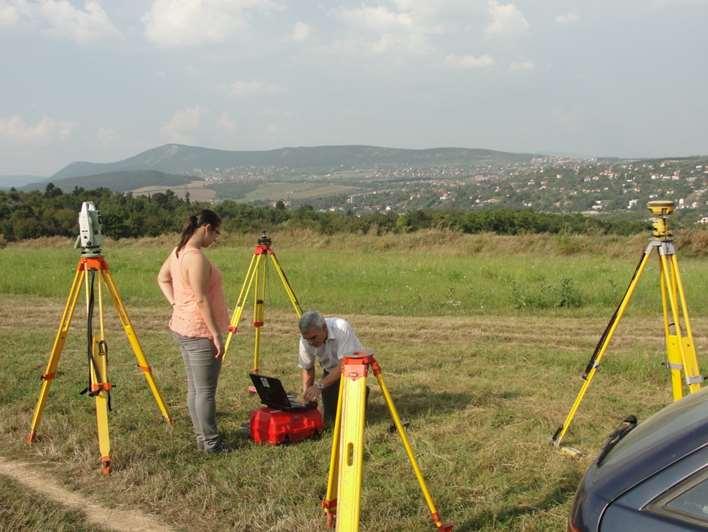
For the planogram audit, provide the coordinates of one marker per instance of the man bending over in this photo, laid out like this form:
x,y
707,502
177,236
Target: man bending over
x,y
328,340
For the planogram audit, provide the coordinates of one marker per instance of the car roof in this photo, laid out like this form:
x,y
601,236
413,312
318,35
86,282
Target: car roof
x,y
672,433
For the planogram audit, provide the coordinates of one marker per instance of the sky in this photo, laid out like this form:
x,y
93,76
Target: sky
x,y
100,80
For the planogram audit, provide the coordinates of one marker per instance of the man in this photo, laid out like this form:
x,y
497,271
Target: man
x,y
328,340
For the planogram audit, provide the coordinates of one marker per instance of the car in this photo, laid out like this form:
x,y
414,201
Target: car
x,y
651,476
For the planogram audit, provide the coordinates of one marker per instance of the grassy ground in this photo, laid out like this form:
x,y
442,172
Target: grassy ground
x,y
21,510
421,274
482,388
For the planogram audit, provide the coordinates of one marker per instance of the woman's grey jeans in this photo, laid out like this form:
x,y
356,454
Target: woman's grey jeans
x,y
202,377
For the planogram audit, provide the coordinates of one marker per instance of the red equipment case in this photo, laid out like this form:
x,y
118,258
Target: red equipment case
x,y
273,427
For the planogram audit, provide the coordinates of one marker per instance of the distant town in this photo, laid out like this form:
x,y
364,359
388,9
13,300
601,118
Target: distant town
x,y
553,184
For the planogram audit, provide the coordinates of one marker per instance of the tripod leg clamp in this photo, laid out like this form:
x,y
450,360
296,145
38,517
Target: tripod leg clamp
x,y
47,376
100,387
145,369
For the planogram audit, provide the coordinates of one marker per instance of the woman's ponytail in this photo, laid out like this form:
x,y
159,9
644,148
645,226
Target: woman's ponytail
x,y
195,222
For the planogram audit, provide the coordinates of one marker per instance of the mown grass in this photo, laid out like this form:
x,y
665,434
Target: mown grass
x,y
24,509
288,191
482,388
428,274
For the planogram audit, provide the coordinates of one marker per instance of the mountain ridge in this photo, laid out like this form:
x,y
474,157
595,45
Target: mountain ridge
x,y
184,159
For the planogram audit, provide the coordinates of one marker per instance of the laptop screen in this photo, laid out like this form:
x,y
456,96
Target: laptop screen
x,y
271,391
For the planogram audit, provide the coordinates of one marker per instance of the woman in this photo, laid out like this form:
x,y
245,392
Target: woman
x,y
194,288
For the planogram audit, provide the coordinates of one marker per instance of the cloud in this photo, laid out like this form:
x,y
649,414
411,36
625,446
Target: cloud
x,y
301,32
249,88
60,18
178,23
106,136
379,29
182,126
567,18
15,130
661,4
469,61
378,18
517,66
82,26
8,14
226,123
505,20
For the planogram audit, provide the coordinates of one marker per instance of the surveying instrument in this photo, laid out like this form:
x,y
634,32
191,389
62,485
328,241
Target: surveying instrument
x,y
680,349
99,387
257,275
342,503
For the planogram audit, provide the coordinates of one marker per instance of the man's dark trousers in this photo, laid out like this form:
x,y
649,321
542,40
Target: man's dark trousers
x,y
330,395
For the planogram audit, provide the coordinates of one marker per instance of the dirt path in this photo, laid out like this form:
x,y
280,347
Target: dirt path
x,y
96,514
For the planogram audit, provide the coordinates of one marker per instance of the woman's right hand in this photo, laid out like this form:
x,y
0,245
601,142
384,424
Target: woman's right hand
x,y
219,346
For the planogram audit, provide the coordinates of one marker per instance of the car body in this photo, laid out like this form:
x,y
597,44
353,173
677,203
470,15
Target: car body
x,y
655,478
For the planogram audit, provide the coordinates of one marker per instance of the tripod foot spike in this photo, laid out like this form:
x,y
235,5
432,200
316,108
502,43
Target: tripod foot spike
x,y
439,525
105,465
31,438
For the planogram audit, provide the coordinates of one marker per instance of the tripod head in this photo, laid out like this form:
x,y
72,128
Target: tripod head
x,y
264,239
90,236
660,210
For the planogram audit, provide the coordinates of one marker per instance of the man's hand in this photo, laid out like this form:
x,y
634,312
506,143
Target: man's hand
x,y
311,394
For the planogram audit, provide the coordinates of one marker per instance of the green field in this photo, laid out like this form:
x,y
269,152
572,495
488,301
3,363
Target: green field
x,y
295,191
481,340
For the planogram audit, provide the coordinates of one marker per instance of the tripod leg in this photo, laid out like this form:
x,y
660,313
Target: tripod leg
x,y
673,355
55,354
330,501
240,303
99,376
135,344
693,373
686,349
258,314
601,347
351,453
435,515
286,284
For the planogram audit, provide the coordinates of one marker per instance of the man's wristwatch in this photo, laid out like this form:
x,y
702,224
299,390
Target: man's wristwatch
x,y
319,386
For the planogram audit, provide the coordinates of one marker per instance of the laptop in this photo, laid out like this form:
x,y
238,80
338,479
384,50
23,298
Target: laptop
x,y
273,395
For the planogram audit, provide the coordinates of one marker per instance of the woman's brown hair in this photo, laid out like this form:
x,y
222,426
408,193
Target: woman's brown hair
x,y
205,217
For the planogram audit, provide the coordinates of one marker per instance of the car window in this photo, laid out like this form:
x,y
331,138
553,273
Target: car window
x,y
693,502
677,416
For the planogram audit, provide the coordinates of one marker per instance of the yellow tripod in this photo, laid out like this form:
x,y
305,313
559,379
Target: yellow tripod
x,y
680,349
256,275
342,503
99,386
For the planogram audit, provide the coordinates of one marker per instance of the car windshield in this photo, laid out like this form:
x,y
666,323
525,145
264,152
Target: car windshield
x,y
688,411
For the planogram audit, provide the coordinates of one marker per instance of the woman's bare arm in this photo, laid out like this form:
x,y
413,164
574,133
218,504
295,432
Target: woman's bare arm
x,y
164,280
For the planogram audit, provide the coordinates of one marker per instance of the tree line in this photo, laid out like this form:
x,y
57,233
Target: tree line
x,y
25,215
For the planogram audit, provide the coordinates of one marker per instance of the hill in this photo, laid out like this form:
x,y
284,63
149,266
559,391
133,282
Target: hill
x,y
180,159
118,181
9,181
